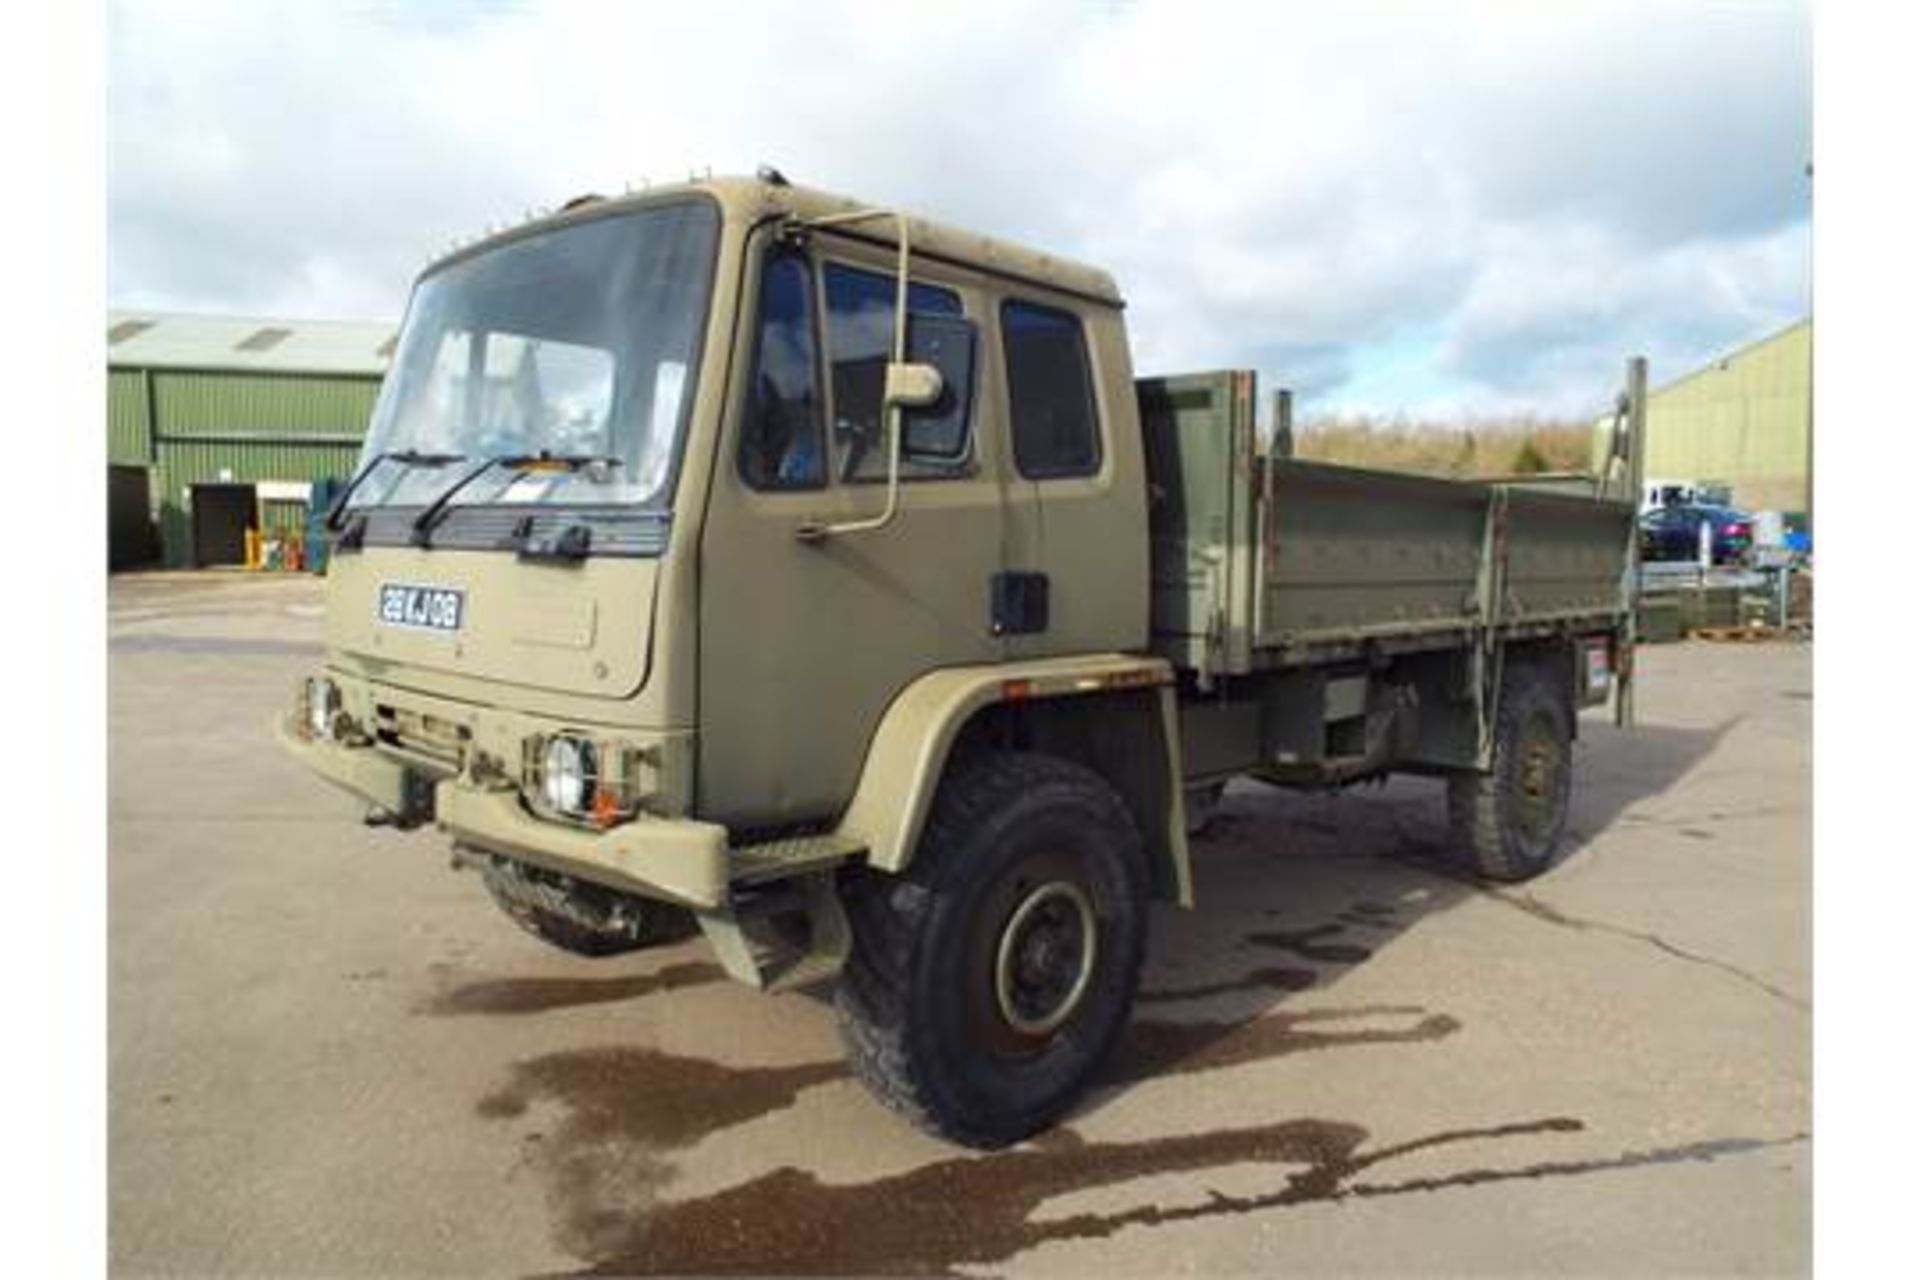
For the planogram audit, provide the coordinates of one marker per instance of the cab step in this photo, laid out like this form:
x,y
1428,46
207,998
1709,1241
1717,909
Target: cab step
x,y
784,936
753,864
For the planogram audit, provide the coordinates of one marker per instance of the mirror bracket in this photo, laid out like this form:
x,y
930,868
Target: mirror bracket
x,y
814,531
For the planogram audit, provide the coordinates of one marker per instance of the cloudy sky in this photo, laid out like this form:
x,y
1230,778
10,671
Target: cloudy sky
x,y
1443,208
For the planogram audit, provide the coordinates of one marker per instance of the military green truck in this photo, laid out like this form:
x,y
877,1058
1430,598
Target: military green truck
x,y
739,556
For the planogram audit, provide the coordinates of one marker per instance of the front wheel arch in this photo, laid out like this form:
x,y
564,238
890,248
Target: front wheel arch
x,y
1129,735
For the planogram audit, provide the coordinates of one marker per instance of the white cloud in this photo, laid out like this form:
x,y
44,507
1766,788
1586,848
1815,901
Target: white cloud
x,y
1545,188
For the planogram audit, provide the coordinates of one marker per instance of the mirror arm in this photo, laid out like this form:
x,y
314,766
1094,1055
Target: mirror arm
x,y
814,530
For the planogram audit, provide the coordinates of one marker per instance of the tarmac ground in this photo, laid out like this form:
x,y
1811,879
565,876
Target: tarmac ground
x,y
329,1053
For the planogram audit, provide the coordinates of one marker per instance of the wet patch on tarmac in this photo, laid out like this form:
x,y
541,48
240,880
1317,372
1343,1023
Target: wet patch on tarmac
x,y
1308,945
1370,915
500,997
1682,1153
1150,1049
966,1210
624,1111
623,1114
1257,980
651,1097
975,1210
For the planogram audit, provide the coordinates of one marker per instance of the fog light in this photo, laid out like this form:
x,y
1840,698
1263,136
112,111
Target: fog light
x,y
566,775
323,701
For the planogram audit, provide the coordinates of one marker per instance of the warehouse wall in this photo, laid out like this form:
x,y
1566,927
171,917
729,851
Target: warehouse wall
x,y
182,465
129,435
1746,420
206,426
256,404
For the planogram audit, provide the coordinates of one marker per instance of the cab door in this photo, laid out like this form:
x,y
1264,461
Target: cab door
x,y
804,643
1074,437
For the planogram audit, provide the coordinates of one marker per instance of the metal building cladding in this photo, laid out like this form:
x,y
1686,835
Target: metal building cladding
x,y
230,420
1745,420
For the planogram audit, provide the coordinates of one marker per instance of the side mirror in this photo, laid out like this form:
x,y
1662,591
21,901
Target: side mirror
x,y
934,431
912,386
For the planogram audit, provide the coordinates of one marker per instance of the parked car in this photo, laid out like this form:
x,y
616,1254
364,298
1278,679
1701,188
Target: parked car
x,y
1673,533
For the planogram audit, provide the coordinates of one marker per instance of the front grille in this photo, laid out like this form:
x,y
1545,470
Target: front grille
x,y
426,738
615,531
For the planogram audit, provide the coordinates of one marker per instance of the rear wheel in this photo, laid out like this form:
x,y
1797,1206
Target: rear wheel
x,y
581,918
1507,822
1203,805
987,984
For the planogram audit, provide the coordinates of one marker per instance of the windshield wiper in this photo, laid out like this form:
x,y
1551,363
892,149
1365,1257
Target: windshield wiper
x,y
412,457
434,512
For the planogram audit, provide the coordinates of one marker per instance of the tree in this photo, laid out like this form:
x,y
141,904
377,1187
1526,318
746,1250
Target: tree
x,y
1529,460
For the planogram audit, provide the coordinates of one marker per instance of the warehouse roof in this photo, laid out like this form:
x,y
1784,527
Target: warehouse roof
x,y
173,340
1721,361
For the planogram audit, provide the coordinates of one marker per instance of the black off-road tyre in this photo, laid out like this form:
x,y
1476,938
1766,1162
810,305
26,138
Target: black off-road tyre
x,y
1507,823
577,917
973,1003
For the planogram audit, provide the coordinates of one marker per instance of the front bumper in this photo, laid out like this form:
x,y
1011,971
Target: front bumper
x,y
674,859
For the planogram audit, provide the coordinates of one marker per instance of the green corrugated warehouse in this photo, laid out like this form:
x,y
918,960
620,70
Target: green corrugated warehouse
x,y
230,418
1745,420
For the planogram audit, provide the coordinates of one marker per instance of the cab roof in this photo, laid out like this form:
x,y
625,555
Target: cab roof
x,y
748,200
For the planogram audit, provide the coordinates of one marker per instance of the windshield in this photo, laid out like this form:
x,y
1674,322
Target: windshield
x,y
574,342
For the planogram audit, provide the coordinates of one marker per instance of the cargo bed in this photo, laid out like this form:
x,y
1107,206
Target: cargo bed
x,y
1262,562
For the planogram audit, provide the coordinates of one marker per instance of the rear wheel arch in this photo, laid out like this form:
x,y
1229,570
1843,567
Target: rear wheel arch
x,y
1556,661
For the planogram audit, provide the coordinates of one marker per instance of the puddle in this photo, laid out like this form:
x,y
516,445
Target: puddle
x,y
1150,1049
607,1126
974,1210
1307,944
499,997
624,1111
1257,980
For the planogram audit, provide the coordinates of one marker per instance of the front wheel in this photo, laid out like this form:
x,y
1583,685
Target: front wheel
x,y
987,984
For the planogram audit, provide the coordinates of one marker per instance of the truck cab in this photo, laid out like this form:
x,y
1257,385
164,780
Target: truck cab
x,y
587,509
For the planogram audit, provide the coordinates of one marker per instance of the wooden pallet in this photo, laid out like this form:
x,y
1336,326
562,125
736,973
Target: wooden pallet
x,y
1758,631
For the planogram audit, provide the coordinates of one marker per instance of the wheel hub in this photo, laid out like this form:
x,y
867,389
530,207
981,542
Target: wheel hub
x,y
1045,958
1537,777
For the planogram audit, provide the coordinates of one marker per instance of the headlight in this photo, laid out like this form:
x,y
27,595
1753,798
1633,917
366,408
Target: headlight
x,y
566,775
323,700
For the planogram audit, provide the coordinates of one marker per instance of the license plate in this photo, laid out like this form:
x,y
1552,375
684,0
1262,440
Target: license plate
x,y
405,604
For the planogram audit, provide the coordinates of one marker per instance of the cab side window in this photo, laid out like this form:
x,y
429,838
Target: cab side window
x,y
1056,431
780,444
859,343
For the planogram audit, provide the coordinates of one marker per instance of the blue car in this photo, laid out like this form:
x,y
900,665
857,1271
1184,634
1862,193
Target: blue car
x,y
1673,533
